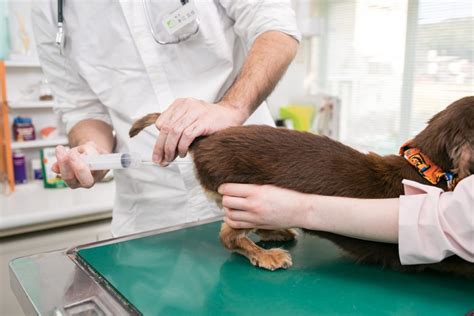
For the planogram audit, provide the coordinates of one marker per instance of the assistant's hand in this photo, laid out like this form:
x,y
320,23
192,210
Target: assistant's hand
x,y
263,206
73,170
187,119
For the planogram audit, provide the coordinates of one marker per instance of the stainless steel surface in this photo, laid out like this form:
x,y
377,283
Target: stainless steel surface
x,y
56,283
71,252
52,282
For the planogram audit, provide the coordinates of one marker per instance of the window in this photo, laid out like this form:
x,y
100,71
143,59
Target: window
x,y
394,64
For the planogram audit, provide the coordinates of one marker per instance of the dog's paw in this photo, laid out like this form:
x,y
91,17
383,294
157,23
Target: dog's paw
x,y
277,235
272,259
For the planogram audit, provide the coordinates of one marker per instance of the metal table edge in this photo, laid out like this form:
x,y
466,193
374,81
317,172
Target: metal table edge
x,y
24,298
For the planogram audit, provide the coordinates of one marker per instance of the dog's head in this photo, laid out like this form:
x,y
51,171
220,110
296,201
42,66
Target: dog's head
x,y
449,138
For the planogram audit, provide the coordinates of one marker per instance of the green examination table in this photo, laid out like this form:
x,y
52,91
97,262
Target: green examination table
x,y
186,271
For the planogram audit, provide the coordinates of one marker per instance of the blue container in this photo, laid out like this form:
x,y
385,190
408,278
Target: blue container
x,y
19,167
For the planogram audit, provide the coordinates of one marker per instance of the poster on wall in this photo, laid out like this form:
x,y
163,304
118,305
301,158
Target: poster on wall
x,y
21,37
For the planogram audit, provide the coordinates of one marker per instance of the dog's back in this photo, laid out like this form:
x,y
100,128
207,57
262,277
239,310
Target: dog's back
x,y
299,161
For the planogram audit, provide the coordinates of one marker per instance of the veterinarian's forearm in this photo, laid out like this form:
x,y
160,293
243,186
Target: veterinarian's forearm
x,y
96,131
375,219
264,66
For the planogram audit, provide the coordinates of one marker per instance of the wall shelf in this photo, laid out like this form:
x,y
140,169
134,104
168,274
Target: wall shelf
x,y
23,63
40,143
18,105
32,207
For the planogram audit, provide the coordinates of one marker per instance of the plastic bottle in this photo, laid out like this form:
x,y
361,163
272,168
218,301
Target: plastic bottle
x,y
19,167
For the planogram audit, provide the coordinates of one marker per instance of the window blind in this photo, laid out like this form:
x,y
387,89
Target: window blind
x,y
394,64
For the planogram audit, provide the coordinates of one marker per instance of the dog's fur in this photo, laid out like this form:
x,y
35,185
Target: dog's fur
x,y
315,164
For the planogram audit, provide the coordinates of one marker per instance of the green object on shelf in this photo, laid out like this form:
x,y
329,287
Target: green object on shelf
x,y
4,31
300,115
188,272
50,179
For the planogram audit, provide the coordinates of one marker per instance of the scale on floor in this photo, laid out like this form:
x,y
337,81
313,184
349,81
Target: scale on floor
x,y
185,270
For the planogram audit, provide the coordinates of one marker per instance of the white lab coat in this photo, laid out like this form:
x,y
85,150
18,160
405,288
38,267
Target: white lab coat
x,y
112,70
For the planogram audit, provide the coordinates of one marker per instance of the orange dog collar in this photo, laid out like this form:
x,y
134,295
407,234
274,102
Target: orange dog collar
x,y
426,168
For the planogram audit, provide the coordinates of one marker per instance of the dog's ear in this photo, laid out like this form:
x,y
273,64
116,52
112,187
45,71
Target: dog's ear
x,y
462,156
142,123
409,143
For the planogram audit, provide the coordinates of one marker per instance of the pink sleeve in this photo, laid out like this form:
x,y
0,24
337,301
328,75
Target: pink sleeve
x,y
434,224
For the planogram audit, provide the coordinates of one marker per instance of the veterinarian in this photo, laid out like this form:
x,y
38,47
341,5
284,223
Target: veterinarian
x,y
206,65
427,223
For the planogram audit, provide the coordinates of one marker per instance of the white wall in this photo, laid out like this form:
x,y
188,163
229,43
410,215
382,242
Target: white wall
x,y
291,87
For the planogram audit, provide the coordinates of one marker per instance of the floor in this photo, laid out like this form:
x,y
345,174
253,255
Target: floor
x,y
32,243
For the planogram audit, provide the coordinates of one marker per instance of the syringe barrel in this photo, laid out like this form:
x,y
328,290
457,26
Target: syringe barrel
x,y
112,161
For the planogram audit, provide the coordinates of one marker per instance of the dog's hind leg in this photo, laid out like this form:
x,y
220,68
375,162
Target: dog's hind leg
x,y
237,240
276,234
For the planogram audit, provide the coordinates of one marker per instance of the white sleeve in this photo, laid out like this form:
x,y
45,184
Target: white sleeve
x,y
254,17
74,98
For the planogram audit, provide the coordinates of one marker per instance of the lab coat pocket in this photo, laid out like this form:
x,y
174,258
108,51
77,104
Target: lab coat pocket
x,y
212,44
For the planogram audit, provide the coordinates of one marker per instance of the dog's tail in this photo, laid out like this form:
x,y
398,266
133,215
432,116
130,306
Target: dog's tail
x,y
150,119
142,123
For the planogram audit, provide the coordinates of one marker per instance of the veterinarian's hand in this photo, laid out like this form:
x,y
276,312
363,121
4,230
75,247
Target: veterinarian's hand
x,y
187,119
73,170
262,206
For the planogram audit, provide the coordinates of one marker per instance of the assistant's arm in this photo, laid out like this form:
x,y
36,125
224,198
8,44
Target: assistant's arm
x,y
270,207
434,224
428,224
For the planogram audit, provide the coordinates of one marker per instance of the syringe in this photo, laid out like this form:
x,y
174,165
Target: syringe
x,y
119,161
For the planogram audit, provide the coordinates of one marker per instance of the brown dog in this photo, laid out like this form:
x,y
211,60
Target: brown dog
x,y
314,164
